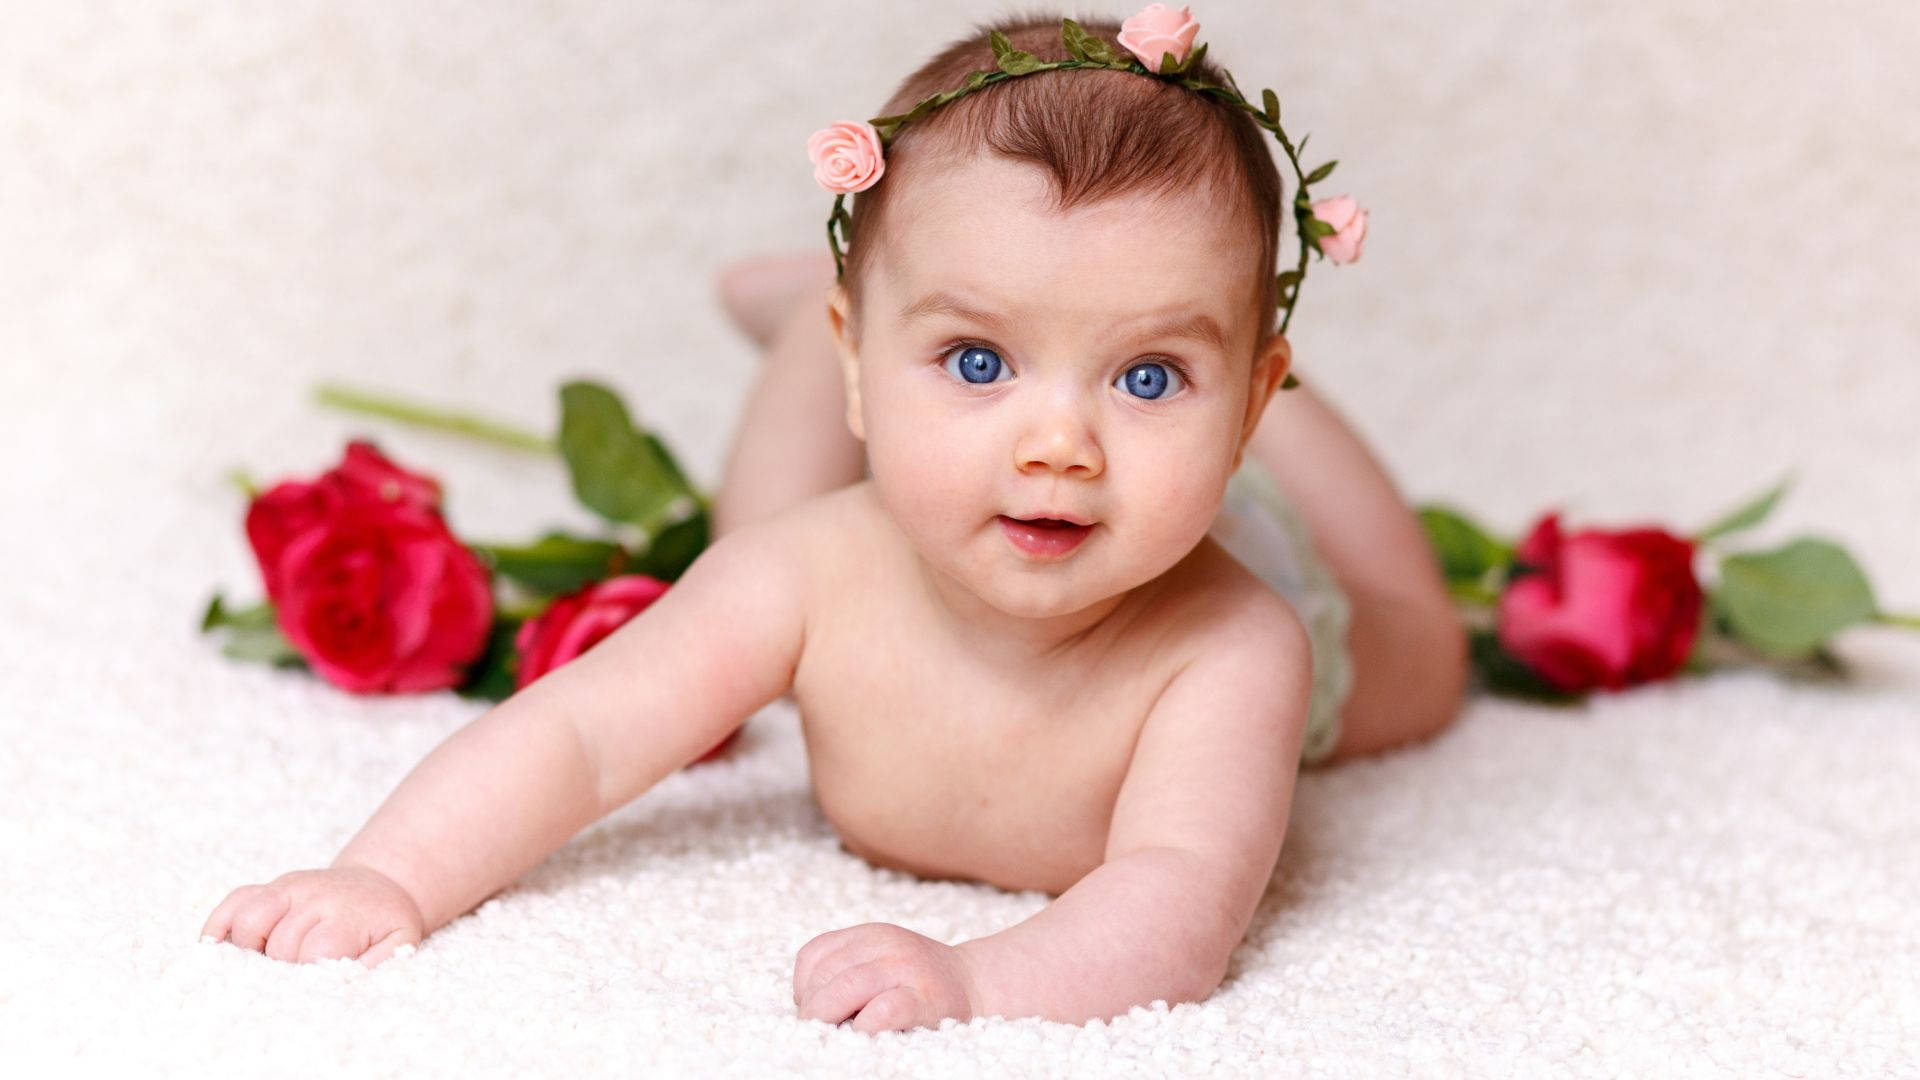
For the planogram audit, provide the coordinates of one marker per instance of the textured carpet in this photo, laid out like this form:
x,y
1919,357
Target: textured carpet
x,y
1636,264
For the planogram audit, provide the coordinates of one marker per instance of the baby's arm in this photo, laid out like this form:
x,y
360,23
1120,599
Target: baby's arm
x,y
1196,831
506,790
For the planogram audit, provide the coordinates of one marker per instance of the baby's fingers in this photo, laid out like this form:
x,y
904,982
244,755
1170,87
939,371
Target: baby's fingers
x,y
258,913
893,1009
332,939
847,992
383,949
284,942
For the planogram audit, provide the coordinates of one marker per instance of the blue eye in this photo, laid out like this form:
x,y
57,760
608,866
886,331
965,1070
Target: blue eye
x,y
1150,380
978,364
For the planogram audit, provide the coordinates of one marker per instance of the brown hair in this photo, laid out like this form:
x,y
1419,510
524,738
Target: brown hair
x,y
1099,134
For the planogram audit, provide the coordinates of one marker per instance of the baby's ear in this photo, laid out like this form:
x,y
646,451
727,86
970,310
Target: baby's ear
x,y
1270,366
838,315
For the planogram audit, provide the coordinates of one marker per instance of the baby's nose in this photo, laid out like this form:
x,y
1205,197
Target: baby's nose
x,y
1060,440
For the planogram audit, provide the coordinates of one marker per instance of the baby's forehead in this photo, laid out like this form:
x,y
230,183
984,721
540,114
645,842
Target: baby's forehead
x,y
995,237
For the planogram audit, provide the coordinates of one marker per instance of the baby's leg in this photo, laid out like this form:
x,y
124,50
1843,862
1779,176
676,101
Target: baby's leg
x,y
1407,643
792,442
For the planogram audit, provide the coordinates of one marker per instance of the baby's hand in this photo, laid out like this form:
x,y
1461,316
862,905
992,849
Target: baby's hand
x,y
320,915
893,978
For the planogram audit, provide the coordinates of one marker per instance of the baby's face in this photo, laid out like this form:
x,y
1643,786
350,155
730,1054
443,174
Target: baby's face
x,y
1068,390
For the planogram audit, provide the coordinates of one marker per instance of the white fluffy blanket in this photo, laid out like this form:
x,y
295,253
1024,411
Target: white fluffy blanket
x,y
1634,263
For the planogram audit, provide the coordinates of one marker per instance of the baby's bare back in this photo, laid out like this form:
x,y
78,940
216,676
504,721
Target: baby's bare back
x,y
932,757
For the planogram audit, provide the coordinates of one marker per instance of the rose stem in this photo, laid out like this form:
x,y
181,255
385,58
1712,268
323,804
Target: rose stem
x,y
458,423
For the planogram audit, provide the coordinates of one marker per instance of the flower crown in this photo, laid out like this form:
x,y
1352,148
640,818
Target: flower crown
x,y
849,155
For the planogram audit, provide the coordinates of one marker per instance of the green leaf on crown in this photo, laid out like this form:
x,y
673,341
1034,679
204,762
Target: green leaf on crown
x,y
1322,172
1747,515
1788,601
1287,280
978,79
1074,39
621,473
1168,65
1272,103
1001,46
1099,51
1289,382
1315,228
1021,63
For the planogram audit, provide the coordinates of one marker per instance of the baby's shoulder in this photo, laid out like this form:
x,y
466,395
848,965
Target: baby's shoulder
x,y
809,542
1213,603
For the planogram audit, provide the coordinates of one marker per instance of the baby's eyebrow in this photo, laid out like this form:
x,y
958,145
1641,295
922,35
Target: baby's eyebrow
x,y
1173,323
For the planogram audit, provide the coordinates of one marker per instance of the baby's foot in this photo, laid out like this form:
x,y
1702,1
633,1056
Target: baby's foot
x,y
759,292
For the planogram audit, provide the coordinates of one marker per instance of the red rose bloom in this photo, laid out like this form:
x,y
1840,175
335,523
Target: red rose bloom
x,y
1605,609
366,580
578,621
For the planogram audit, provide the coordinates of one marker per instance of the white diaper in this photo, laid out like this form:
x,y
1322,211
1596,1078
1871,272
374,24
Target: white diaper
x,y
1259,525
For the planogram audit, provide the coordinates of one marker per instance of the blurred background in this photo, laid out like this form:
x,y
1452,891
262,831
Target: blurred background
x,y
1635,262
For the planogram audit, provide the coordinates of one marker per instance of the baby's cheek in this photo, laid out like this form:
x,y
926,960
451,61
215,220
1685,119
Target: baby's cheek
x,y
1172,517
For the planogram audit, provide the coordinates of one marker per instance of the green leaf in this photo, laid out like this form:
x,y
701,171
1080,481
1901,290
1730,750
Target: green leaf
x,y
254,635
1001,46
1747,516
1322,172
1503,673
1289,382
556,563
977,79
263,644
1287,280
1789,601
1315,228
491,676
1465,551
1193,58
218,614
1021,63
1168,65
1073,39
622,474
1272,103
674,549
1099,51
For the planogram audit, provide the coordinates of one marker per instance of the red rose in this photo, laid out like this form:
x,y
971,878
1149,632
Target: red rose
x,y
291,508
1600,608
578,621
366,580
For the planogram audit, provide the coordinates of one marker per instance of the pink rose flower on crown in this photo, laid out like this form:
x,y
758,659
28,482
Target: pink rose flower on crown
x,y
1158,30
846,156
1349,224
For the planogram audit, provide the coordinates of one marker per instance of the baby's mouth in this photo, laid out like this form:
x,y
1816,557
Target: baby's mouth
x,y
1044,538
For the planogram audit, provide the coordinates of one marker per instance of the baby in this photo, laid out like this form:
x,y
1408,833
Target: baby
x,y
1020,653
